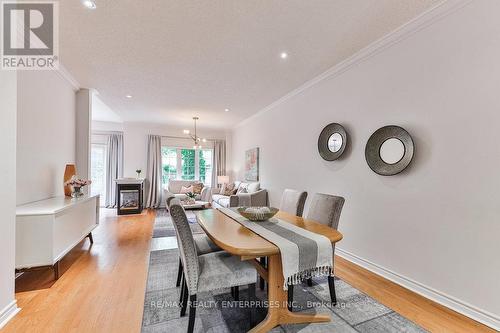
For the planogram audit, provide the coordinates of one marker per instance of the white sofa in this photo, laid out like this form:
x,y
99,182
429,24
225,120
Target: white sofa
x,y
255,196
174,190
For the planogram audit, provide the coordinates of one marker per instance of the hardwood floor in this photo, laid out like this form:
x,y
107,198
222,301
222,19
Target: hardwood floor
x,y
428,314
101,288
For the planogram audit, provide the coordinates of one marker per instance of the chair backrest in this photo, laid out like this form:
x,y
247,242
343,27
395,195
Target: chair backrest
x,y
187,247
326,209
168,201
293,202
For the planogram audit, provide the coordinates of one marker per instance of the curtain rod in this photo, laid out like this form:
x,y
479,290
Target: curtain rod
x,y
106,132
183,137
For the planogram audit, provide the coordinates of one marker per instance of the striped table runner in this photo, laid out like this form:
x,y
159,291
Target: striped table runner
x,y
304,254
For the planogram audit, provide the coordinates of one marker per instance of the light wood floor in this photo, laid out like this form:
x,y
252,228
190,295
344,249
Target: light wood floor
x,y
101,288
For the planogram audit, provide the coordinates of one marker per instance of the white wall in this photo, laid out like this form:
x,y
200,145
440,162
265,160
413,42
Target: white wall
x,y
438,222
7,193
45,134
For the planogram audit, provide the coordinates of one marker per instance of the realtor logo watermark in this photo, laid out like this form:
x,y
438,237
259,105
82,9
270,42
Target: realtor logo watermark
x,y
30,35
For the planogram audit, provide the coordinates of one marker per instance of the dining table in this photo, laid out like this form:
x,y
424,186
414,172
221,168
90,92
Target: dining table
x,y
238,240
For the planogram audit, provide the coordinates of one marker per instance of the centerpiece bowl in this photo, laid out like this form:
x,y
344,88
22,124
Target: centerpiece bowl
x,y
258,213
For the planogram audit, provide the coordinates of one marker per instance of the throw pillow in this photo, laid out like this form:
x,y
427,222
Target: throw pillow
x,y
185,190
227,189
243,187
253,187
197,187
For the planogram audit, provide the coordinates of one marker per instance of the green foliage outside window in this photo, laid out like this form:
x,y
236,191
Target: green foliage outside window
x,y
202,167
187,156
187,169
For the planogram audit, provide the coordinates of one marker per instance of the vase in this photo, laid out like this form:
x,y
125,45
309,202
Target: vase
x,y
69,172
77,192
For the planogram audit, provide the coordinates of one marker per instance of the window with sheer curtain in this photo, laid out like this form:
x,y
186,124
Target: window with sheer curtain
x,y
98,169
187,164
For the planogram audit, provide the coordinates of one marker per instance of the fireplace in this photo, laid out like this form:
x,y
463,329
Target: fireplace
x,y
130,196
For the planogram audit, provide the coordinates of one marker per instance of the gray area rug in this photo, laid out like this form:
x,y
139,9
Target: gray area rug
x,y
163,226
355,311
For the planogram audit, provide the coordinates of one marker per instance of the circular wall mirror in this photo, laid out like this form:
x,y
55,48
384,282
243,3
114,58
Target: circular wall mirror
x,y
335,142
332,141
389,150
392,151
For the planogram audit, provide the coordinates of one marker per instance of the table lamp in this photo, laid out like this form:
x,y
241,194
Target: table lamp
x,y
223,179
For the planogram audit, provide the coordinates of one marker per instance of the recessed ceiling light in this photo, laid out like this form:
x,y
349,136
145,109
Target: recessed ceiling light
x,y
227,110
89,4
283,55
128,96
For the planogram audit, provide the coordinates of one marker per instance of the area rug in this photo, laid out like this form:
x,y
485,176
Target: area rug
x,y
164,227
217,312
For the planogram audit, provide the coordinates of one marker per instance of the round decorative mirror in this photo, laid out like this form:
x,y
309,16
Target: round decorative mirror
x,y
332,141
392,151
335,142
389,150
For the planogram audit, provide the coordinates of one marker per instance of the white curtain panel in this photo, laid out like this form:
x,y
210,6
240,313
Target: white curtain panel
x,y
153,172
219,161
114,168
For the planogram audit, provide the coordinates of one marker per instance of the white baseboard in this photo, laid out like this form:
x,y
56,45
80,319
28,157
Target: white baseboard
x,y
8,313
471,311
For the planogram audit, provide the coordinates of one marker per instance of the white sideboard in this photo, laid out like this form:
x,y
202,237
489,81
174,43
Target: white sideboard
x,y
47,230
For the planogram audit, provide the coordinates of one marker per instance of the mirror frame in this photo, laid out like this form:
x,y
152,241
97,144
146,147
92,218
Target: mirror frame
x,y
323,138
372,150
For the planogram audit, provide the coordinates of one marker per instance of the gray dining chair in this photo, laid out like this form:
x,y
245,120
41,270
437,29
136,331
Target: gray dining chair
x,y
293,201
208,272
324,209
203,243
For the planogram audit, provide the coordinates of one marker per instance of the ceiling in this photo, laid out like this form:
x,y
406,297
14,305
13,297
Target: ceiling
x,y
180,58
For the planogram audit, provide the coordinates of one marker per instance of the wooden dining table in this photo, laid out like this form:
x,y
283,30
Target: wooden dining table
x,y
240,241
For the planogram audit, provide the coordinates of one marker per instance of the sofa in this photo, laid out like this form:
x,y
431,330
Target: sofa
x,y
253,195
174,190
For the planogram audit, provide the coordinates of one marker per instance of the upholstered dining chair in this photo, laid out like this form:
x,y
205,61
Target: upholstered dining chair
x,y
203,244
292,202
208,272
324,209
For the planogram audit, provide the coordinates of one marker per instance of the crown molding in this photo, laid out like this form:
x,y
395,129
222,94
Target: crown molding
x,y
66,75
427,18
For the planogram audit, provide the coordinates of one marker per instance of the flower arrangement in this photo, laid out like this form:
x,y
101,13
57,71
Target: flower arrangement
x,y
191,198
138,171
77,184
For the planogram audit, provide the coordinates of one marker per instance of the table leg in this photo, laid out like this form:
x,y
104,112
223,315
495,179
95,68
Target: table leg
x,y
278,313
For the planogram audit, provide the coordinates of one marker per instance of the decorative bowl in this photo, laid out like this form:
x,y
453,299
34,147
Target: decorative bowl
x,y
257,213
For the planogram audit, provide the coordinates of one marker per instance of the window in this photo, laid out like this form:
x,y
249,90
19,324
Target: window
x,y
186,164
206,166
169,164
98,170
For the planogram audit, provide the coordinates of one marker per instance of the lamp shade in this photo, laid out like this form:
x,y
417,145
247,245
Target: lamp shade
x,y
223,179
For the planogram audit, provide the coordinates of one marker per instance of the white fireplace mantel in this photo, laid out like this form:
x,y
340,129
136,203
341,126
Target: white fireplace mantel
x,y
129,180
